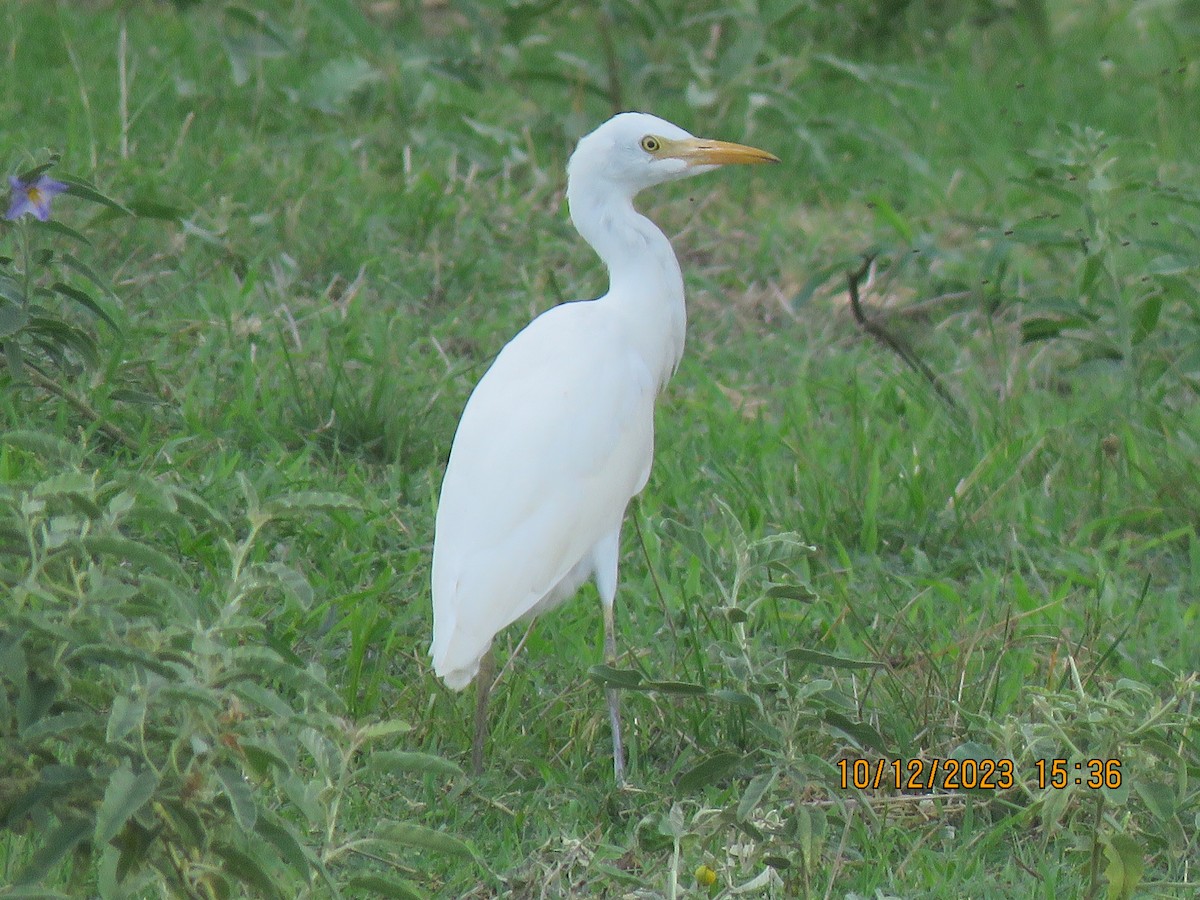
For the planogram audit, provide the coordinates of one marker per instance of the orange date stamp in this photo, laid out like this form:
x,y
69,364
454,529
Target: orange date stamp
x,y
984,774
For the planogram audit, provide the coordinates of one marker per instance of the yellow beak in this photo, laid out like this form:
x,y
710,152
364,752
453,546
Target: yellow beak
x,y
706,152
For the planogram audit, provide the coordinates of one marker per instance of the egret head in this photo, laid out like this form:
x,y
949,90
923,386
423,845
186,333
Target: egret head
x,y
632,151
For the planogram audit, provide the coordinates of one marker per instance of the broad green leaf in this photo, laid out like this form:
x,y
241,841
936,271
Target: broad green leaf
x,y
306,502
262,758
291,581
1099,347
63,335
250,494
1092,267
1159,798
387,761
71,775
155,209
112,859
84,299
87,272
184,819
736,698
810,824
12,290
253,662
754,792
127,714
12,319
133,844
14,664
43,443
1173,264
1145,317
799,592
304,795
282,837
14,357
862,734
116,654
241,796
331,88
1055,803
708,771
410,835
377,730
34,700
59,726
120,503
190,694
187,602
324,752
68,484
126,793
622,678
888,214
1125,866
973,750
33,892
798,655
136,552
57,844
197,507
1119,795
31,175
265,698
247,870
671,825
383,886
77,187
57,227
240,54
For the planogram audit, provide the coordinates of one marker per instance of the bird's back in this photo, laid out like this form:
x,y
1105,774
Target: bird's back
x,y
554,441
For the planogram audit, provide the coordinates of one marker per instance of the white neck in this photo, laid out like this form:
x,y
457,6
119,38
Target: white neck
x,y
645,283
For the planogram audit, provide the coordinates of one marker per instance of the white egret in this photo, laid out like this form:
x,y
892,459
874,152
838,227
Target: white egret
x,y
558,435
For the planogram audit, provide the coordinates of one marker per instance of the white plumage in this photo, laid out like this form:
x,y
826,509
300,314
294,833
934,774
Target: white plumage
x,y
558,435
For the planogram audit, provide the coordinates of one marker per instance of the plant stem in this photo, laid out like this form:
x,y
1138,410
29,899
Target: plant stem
x,y
123,86
81,406
26,277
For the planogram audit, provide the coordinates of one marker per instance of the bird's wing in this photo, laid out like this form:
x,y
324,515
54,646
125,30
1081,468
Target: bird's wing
x,y
554,441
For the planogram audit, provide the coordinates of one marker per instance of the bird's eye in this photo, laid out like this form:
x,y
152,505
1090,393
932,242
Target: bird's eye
x,y
650,144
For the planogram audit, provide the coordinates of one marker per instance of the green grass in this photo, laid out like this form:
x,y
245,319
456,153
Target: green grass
x,y
369,208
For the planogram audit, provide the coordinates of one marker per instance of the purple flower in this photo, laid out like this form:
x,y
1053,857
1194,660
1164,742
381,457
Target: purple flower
x,y
33,197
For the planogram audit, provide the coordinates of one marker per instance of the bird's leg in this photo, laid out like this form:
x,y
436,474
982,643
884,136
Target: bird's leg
x,y
483,687
613,697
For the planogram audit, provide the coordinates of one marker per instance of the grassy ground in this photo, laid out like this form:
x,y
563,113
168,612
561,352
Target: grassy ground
x,y
345,212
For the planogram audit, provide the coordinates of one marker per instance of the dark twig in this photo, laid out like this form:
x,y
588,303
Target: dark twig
x,y
889,340
82,407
